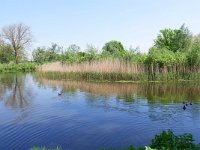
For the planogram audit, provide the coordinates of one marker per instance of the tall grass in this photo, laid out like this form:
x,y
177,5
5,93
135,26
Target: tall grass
x,y
116,69
108,69
100,66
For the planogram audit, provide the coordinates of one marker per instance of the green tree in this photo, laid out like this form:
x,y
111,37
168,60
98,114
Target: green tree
x,y
174,39
19,37
193,56
91,53
40,55
114,48
160,56
72,54
73,48
6,54
54,52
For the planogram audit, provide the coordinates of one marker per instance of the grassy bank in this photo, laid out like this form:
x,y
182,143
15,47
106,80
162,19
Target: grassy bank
x,y
116,70
22,67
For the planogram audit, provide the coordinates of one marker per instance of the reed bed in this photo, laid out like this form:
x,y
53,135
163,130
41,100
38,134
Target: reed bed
x,y
116,69
100,66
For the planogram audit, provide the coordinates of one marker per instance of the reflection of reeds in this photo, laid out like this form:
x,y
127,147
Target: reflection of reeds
x,y
115,69
152,91
103,89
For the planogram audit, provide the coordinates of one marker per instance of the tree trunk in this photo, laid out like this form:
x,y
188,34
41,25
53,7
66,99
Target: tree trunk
x,y
16,56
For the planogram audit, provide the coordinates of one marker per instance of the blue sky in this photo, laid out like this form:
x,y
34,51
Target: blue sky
x,y
81,22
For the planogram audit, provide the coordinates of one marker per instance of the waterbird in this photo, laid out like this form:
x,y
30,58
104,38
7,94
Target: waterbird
x,y
184,108
183,102
59,94
190,103
186,104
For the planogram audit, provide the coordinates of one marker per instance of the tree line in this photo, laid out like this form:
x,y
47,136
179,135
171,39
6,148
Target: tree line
x,y
171,46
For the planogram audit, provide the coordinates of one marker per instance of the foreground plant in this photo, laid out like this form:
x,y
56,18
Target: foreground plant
x,y
170,141
164,141
43,148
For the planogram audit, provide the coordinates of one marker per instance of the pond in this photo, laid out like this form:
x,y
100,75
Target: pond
x,y
79,115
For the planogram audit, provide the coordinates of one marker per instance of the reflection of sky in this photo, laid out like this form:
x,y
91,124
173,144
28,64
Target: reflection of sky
x,y
82,120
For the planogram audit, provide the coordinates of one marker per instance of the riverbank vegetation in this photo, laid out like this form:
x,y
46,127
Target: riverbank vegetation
x,y
163,141
22,67
14,39
175,55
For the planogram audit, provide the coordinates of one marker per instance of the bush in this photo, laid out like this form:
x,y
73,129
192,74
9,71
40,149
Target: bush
x,y
22,67
169,141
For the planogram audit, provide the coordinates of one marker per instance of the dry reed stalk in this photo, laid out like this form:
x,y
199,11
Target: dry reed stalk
x,y
101,66
119,69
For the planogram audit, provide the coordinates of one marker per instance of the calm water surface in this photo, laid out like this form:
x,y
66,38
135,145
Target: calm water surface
x,y
90,115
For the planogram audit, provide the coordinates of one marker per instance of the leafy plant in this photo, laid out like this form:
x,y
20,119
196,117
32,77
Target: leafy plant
x,y
170,141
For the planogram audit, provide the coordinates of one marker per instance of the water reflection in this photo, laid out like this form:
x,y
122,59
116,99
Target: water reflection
x,y
88,115
15,91
159,101
129,92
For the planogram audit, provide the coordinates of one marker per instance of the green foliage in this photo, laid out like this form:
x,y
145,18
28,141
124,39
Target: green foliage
x,y
174,39
193,56
91,53
114,48
54,51
164,141
6,53
22,67
170,141
73,48
181,58
43,148
73,54
94,76
50,54
40,55
161,57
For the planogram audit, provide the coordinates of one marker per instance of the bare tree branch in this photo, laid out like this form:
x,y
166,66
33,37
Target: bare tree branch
x,y
19,36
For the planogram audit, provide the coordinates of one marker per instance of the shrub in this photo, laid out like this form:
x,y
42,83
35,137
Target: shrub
x,y
169,141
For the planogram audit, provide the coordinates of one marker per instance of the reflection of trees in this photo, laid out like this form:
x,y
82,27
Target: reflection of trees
x,y
154,92
120,91
170,92
159,101
6,81
14,91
